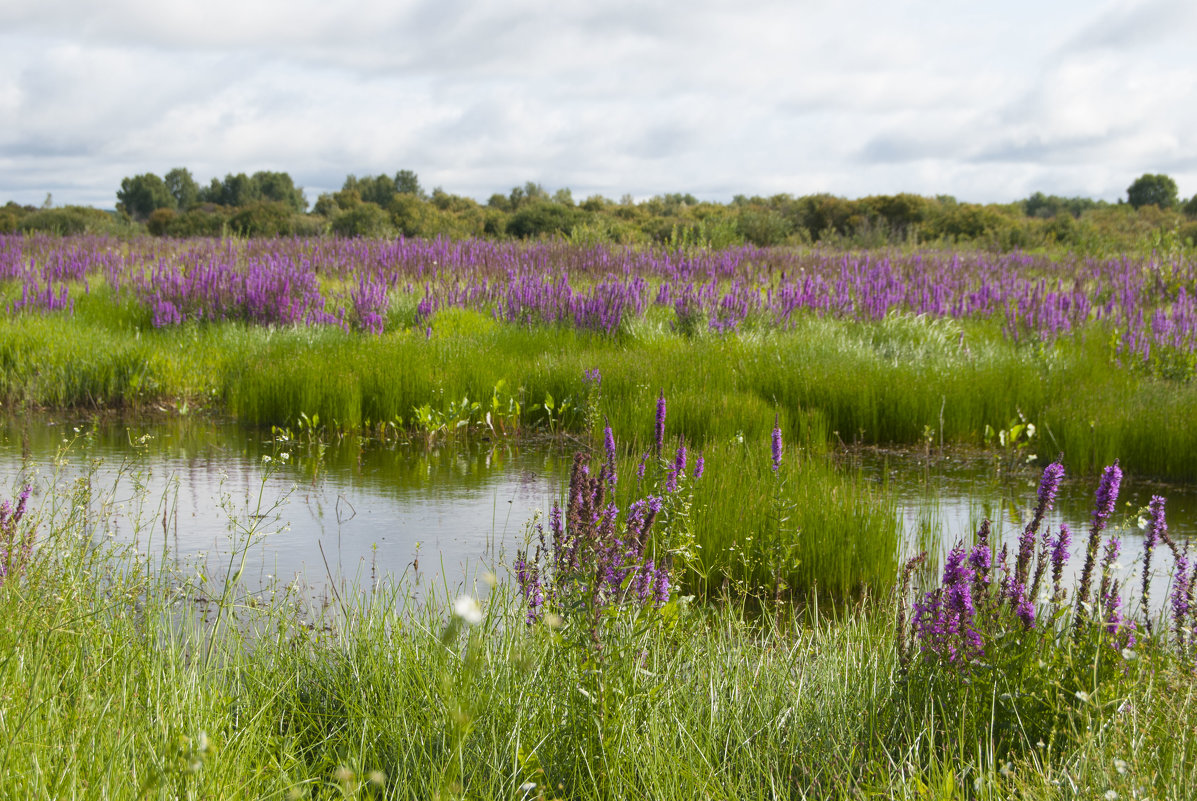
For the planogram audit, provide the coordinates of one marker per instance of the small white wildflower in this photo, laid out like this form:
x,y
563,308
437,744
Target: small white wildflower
x,y
527,787
1082,696
467,608
1120,765
1111,795
377,778
1128,654
1007,770
490,579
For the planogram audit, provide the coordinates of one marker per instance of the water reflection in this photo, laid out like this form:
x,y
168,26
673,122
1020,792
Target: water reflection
x,y
349,511
354,512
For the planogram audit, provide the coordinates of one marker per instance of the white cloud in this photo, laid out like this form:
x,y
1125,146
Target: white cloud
x,y
853,97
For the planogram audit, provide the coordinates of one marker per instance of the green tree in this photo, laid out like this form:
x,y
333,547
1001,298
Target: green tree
x,y
408,183
182,187
1152,190
279,188
141,195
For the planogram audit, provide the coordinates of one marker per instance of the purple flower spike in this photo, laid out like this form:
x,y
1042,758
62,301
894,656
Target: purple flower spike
x,y
1181,592
776,445
1157,532
1049,485
679,462
699,465
609,445
1059,558
1107,495
1025,609
660,422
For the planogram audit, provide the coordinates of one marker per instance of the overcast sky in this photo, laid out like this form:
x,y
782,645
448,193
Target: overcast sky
x,y
987,102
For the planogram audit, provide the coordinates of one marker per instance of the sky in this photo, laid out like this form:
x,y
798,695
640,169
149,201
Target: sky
x,y
987,102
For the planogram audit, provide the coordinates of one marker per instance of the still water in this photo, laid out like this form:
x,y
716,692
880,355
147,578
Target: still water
x,y
347,514
352,513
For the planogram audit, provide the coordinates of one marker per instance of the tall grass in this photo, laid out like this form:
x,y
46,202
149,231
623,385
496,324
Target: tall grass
x,y
895,381
113,685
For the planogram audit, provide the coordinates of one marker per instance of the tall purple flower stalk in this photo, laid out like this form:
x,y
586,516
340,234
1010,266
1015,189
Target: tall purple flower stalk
x,y
1107,496
1181,599
609,447
945,621
1059,556
660,430
15,548
1157,531
1049,485
776,445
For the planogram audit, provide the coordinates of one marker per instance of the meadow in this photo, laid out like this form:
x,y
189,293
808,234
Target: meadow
x,y
736,627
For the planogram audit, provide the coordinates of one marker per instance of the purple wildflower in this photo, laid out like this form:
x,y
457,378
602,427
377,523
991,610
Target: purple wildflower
x,y
1059,557
1107,495
661,586
15,550
660,431
1049,485
699,466
1157,531
1113,548
776,445
1180,596
1023,606
609,445
679,461
945,621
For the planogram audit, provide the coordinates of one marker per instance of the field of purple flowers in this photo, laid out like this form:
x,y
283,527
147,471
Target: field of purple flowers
x,y
881,347
1149,304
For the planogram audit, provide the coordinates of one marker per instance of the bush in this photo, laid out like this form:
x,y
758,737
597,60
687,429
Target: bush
x,y
267,218
364,219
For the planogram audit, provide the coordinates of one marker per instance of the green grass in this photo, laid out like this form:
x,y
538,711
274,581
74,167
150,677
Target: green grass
x,y
114,685
901,380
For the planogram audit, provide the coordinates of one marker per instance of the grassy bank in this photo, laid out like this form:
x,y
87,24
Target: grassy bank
x,y
122,681
902,380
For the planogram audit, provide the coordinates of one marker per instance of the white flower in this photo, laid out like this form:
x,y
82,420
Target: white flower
x,y
467,608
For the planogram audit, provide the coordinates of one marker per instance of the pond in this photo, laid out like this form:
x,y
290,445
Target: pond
x,y
352,513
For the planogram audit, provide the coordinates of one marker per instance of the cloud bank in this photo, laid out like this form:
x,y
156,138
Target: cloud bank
x,y
856,97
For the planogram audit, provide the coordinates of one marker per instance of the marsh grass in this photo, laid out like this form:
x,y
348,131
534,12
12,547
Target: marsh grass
x,y
115,684
899,380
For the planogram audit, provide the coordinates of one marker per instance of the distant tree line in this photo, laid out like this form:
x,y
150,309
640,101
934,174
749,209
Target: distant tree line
x,y
270,204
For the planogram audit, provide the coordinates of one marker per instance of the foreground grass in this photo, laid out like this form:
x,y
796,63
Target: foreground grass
x,y
115,682
903,380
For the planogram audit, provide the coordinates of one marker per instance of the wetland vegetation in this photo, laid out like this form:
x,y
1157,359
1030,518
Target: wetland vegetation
x,y
739,629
